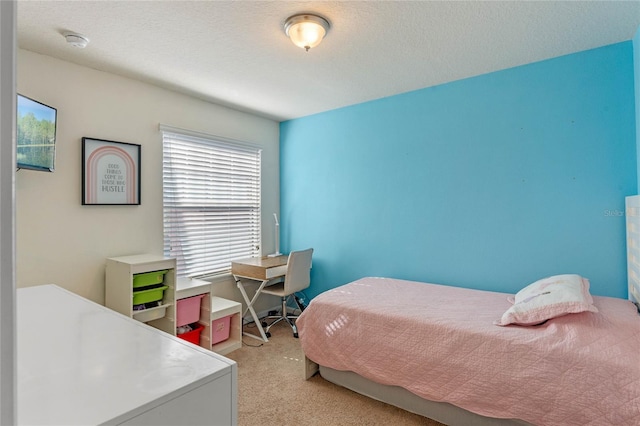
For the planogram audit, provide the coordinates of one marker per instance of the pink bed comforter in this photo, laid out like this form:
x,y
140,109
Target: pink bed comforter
x,y
439,342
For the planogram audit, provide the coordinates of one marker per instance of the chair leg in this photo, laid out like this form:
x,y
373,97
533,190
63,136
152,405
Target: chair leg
x,y
289,319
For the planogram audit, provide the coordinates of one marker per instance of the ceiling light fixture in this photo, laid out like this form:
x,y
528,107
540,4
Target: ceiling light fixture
x,y
306,30
76,40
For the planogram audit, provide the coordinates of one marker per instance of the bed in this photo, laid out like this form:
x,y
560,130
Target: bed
x,y
439,351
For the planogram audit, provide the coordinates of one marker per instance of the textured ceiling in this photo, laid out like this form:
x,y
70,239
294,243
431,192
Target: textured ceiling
x,y
235,53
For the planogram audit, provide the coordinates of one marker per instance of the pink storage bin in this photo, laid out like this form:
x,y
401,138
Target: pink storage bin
x,y
188,310
220,329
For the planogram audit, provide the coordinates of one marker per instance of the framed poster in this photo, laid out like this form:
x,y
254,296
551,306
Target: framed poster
x,y
110,172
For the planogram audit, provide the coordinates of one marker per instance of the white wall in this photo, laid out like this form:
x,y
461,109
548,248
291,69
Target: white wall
x,y
8,368
63,242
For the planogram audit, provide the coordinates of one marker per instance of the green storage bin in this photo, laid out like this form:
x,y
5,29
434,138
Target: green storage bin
x,y
150,295
148,278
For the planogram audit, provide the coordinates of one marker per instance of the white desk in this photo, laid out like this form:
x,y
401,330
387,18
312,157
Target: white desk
x,y
80,363
262,269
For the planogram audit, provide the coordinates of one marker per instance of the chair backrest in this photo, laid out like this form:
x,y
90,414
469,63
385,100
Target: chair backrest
x,y
298,271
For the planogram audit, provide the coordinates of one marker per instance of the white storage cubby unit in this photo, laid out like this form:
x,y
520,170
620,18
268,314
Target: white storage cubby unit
x,y
190,288
220,308
213,308
120,273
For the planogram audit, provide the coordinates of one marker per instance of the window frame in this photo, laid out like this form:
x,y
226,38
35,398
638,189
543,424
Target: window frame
x,y
230,199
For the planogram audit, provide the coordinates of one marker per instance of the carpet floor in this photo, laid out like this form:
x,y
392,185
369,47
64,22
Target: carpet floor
x,y
272,390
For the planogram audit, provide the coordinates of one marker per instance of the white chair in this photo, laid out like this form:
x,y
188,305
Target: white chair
x,y
298,278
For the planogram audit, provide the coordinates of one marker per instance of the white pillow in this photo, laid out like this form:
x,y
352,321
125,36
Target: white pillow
x,y
549,298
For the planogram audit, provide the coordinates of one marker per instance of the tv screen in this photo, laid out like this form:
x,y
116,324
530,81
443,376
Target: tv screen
x,y
35,135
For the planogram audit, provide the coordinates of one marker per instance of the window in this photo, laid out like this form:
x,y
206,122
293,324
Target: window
x,y
211,201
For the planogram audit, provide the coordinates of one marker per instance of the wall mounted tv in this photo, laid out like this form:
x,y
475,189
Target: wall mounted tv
x,y
35,135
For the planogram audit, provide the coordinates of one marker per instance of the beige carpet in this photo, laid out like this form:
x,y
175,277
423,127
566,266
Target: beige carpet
x,y
272,390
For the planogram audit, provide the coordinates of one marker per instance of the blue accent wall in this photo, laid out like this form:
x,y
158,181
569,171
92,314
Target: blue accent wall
x,y
490,182
636,68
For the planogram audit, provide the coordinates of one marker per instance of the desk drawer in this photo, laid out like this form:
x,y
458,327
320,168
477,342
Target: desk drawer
x,y
278,271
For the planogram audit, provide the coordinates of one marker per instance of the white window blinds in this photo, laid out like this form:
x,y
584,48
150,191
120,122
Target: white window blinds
x,y
211,201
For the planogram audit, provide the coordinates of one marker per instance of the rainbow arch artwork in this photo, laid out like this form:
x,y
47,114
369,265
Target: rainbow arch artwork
x,y
111,172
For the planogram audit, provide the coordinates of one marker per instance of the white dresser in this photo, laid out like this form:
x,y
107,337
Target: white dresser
x,y
79,363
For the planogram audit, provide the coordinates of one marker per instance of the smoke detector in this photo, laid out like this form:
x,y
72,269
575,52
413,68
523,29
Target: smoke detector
x,y
76,40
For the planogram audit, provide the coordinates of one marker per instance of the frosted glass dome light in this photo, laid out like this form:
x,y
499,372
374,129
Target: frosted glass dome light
x,y
306,31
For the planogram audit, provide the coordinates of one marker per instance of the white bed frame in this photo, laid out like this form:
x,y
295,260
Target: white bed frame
x,y
633,247
402,398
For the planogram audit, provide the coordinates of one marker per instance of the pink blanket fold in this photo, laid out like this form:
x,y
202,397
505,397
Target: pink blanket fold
x,y
440,343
